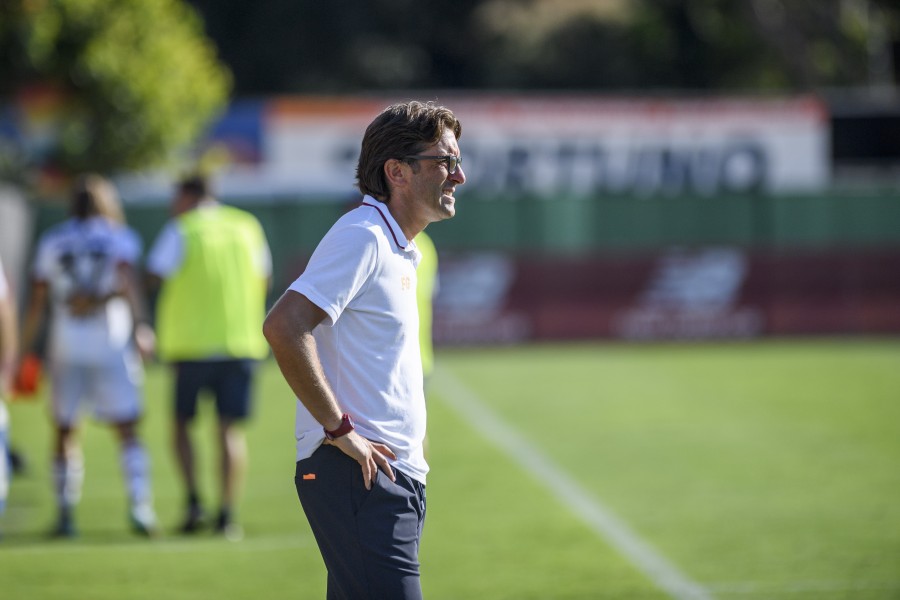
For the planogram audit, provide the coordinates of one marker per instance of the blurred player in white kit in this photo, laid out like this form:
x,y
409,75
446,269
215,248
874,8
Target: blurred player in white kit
x,y
86,268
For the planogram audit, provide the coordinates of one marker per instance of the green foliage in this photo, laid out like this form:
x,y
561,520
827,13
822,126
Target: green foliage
x,y
708,45
676,44
137,80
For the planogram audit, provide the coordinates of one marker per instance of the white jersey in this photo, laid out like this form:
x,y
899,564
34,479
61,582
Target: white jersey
x,y
82,256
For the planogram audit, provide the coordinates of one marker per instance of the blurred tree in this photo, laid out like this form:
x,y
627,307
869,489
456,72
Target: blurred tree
x,y
818,43
343,45
104,85
311,46
703,45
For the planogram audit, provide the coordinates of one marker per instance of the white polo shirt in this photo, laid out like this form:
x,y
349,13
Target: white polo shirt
x,y
363,275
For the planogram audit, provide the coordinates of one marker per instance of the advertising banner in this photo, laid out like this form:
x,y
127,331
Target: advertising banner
x,y
307,147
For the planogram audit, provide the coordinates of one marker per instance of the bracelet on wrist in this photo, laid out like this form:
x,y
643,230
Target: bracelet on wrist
x,y
343,429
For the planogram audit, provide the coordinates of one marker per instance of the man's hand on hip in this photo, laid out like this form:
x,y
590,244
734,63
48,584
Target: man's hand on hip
x,y
370,455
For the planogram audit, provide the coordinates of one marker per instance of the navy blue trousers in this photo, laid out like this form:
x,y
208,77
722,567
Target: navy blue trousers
x,y
369,539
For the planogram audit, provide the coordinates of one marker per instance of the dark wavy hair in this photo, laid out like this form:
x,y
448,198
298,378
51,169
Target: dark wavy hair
x,y
400,130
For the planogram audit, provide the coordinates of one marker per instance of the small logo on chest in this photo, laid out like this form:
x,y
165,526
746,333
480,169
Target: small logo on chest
x,y
405,283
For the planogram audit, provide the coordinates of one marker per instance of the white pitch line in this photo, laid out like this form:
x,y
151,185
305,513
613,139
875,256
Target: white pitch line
x,y
600,518
767,588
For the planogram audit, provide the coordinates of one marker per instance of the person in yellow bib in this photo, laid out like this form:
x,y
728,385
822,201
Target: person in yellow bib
x,y
213,265
426,289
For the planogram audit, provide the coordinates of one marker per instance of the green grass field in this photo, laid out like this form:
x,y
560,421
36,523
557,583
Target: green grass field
x,y
757,470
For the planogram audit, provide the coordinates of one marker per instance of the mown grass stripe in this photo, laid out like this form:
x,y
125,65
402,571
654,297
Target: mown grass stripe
x,y
601,519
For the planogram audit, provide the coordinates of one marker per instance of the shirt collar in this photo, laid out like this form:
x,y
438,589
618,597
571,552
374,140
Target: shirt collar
x,y
388,218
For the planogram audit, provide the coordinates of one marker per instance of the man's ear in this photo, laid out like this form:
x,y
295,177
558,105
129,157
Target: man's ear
x,y
395,171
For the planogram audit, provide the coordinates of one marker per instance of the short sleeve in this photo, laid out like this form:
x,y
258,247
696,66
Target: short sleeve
x,y
167,252
42,268
130,246
339,269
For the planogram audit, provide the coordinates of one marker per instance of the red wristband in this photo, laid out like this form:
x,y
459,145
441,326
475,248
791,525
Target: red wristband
x,y
345,427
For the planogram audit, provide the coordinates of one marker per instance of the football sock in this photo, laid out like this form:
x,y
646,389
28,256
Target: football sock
x,y
68,475
136,470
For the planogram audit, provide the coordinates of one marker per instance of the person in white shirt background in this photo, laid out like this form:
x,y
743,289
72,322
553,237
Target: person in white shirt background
x,y
86,269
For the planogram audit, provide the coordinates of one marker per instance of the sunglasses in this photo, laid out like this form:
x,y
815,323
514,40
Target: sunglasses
x,y
451,162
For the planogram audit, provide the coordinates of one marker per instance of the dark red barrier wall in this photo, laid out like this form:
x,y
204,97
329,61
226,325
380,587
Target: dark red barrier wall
x,y
699,293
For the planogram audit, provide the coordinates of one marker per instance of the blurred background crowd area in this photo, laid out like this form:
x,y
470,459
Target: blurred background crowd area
x,y
643,169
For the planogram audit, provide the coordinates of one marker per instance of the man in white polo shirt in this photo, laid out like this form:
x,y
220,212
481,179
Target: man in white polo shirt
x,y
346,337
